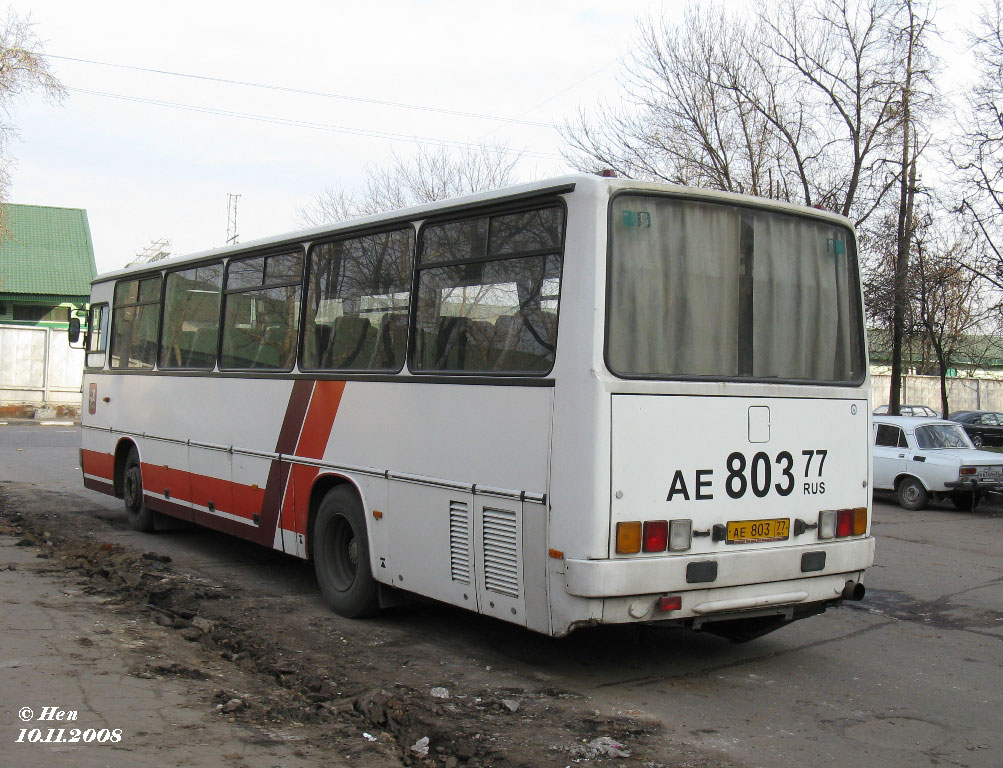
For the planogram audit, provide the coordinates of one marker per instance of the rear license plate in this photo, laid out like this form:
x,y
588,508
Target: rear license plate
x,y
750,531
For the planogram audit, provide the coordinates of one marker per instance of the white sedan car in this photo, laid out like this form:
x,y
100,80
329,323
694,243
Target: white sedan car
x,y
920,458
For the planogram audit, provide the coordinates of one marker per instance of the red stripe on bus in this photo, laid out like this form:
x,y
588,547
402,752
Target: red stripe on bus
x,y
247,499
320,419
158,478
275,489
312,444
306,430
192,488
98,464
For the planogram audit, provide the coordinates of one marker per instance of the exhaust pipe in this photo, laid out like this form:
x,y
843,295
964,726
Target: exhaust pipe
x,y
853,590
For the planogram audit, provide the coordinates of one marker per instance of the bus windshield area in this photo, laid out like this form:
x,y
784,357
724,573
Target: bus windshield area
x,y
712,290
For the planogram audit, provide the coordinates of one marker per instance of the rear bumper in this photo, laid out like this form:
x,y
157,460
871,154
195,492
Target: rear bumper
x,y
760,567
989,486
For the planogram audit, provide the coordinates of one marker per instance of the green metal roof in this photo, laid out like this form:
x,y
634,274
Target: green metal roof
x,y
46,251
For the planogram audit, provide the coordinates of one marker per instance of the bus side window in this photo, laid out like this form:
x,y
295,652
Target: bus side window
x,y
488,292
191,317
97,335
136,323
260,312
358,298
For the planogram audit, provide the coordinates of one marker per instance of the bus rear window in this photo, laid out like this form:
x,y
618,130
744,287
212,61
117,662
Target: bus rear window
x,y
711,290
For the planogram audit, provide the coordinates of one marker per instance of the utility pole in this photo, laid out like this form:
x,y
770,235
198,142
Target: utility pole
x,y
231,219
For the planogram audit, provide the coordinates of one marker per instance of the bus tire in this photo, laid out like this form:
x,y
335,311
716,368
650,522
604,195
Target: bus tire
x,y
912,495
341,555
141,517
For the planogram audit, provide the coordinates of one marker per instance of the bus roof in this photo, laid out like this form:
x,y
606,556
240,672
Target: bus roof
x,y
552,186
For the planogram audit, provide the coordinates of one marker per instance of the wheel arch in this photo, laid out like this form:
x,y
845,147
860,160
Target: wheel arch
x,y
902,476
122,449
322,484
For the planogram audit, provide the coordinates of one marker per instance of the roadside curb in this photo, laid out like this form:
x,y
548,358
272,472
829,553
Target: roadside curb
x,y
39,422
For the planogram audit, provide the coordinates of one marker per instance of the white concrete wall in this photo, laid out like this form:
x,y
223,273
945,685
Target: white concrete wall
x,y
38,366
962,394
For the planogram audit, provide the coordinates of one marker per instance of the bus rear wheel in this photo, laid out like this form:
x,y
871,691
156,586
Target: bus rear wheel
x,y
141,517
341,555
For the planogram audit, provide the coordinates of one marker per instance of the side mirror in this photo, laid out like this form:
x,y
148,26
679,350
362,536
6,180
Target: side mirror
x,y
73,332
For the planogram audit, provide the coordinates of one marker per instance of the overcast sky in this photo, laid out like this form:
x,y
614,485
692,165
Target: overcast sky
x,y
146,171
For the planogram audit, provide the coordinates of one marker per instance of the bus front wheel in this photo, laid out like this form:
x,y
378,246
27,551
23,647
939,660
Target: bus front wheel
x,y
141,517
341,555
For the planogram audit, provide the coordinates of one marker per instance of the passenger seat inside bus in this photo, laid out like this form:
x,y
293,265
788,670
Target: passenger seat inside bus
x,y
391,342
271,351
347,343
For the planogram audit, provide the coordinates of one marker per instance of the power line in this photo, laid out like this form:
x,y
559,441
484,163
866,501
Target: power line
x,y
559,93
306,124
304,92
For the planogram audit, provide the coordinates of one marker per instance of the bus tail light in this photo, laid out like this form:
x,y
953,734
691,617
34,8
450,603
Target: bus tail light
x,y
827,524
680,535
656,536
844,523
840,523
628,538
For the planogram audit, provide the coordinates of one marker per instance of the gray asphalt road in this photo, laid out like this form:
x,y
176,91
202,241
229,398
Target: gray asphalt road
x,y
912,676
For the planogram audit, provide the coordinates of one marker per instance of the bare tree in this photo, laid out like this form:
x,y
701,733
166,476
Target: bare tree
x,y
915,88
948,306
427,176
685,120
23,68
979,157
796,101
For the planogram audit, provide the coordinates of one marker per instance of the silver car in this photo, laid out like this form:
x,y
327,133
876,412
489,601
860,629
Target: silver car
x,y
922,458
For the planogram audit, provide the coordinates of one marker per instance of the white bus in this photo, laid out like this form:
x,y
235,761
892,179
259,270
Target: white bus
x,y
559,404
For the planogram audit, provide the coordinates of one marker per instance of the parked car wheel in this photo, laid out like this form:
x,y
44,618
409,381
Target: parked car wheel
x,y
976,440
912,495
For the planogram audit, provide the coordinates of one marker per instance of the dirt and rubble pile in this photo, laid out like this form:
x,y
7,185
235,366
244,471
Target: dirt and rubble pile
x,y
362,691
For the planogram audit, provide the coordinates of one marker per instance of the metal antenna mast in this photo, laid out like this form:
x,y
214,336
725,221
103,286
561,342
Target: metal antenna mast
x,y
231,219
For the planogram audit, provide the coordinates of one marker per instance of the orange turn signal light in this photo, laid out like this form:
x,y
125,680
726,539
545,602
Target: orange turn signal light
x,y
859,521
628,538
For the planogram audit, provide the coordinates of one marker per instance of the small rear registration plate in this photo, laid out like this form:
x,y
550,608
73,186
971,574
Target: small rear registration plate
x,y
750,531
